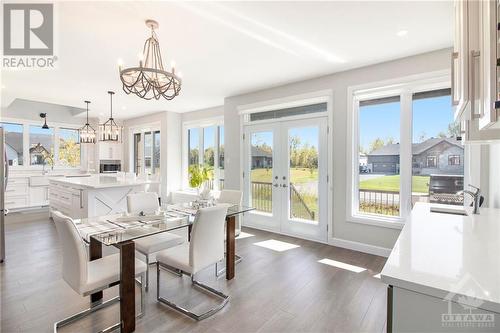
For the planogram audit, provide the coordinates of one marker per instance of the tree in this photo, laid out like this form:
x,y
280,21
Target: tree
x,y
376,144
454,129
441,134
422,136
390,140
69,152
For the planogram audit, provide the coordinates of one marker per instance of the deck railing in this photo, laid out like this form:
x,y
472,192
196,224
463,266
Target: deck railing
x,y
379,202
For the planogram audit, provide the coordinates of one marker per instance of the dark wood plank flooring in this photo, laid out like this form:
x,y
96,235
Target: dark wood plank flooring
x,y
273,291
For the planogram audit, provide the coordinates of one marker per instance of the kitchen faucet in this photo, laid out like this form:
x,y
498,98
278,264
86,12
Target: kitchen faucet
x,y
476,197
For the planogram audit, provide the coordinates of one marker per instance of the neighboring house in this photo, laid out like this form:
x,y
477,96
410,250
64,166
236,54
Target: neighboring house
x,y
433,156
363,159
261,158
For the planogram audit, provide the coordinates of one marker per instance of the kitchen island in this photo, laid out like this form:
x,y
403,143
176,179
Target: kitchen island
x,y
443,274
93,195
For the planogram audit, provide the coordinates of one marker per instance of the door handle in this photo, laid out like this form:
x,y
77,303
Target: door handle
x,y
474,57
454,56
275,185
284,185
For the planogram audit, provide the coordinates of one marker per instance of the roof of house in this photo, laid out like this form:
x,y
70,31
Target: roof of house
x,y
259,152
418,148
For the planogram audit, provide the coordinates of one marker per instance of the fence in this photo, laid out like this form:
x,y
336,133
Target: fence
x,y
379,202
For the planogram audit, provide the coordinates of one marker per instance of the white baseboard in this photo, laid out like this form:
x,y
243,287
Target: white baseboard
x,y
361,247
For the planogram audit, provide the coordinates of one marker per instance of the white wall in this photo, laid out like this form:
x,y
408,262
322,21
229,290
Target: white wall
x,y
338,84
217,111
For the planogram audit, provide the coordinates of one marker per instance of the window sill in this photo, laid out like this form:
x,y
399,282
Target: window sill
x,y
392,223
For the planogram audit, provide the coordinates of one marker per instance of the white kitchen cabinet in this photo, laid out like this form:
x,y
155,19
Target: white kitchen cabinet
x,y
110,151
39,196
477,113
460,60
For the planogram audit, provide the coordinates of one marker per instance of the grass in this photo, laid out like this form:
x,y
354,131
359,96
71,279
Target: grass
x,y
297,175
420,184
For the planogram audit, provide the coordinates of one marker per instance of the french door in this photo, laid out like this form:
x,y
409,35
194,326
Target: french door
x,y
285,177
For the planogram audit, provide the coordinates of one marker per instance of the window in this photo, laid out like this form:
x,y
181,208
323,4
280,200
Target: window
x,y
453,159
146,157
41,146
69,147
221,157
399,154
379,180
431,161
13,143
156,152
205,146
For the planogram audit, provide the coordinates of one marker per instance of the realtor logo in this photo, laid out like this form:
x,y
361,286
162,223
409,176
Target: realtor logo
x,y
28,29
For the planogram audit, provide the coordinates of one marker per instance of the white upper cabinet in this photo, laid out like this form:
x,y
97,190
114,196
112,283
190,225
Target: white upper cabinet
x,y
459,60
474,69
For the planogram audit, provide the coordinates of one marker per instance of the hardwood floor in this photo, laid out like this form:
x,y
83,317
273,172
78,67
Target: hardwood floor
x,y
273,291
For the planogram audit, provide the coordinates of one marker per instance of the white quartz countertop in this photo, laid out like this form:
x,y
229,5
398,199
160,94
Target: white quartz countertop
x,y
448,256
101,181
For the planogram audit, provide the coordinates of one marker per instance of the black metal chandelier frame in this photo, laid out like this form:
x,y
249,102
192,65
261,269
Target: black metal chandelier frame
x,y
87,132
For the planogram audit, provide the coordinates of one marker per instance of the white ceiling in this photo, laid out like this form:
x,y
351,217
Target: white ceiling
x,y
223,48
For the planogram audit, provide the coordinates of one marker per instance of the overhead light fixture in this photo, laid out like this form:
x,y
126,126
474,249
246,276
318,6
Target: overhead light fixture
x,y
110,131
150,80
44,117
87,132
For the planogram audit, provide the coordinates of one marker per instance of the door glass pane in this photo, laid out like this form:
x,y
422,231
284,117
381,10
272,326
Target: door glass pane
x,y
303,173
209,152
261,166
69,147
194,146
41,146
137,153
156,152
379,132
438,157
13,143
148,146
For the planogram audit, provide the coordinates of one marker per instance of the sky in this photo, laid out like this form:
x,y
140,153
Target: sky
x,y
430,116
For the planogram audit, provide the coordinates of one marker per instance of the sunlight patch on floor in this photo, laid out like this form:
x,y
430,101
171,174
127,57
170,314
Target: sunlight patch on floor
x,y
244,235
342,265
275,245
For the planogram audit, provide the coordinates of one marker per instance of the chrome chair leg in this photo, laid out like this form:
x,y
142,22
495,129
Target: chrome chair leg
x,y
225,298
147,272
218,272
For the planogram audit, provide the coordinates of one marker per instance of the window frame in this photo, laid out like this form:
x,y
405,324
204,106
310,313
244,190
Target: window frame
x,y
405,87
56,126
436,161
452,157
201,125
152,129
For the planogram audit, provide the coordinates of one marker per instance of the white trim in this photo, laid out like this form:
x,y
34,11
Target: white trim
x,y
360,247
404,87
286,102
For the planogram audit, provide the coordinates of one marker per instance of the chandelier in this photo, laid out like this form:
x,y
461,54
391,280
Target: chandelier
x,y
150,80
110,131
87,132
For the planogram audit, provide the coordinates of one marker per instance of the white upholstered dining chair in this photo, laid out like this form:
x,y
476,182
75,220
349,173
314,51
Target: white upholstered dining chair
x,y
87,277
206,248
147,202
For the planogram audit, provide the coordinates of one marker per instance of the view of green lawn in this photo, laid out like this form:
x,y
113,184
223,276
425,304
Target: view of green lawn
x,y
420,184
297,175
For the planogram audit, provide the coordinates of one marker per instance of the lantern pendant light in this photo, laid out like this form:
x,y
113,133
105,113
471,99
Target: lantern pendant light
x,y
110,131
87,132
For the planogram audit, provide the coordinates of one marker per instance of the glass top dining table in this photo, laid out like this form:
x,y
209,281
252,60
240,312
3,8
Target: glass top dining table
x,y
120,230
117,228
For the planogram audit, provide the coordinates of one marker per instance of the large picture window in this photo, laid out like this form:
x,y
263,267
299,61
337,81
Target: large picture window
x,y
41,146
400,157
205,147
13,143
69,147
146,146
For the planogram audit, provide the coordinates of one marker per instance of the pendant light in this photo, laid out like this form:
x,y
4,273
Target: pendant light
x,y
87,132
44,117
110,131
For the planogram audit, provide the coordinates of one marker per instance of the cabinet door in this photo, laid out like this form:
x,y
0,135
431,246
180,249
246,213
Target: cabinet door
x,y
459,60
488,38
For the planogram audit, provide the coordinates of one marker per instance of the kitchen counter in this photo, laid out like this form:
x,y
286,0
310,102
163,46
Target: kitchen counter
x,y
442,254
101,181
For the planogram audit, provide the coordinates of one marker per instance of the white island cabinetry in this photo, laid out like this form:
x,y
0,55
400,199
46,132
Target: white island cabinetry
x,y
95,195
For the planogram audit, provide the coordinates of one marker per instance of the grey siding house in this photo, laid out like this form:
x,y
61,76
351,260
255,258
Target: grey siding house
x,y
433,156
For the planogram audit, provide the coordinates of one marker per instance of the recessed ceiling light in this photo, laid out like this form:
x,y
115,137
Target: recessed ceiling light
x,y
101,114
124,107
402,33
